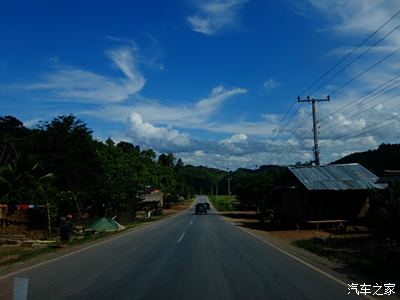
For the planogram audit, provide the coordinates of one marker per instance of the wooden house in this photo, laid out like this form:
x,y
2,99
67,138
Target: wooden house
x,y
331,192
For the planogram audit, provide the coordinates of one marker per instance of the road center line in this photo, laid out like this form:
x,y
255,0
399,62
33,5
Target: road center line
x,y
180,239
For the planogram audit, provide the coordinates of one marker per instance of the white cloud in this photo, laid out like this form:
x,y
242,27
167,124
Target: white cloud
x,y
271,84
199,153
158,137
184,115
356,16
74,84
249,143
236,138
218,96
357,126
215,15
231,152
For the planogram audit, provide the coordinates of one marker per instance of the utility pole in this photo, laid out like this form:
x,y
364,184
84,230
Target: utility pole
x,y
315,122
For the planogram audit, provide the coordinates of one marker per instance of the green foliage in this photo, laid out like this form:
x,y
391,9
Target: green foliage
x,y
60,163
363,253
119,188
384,215
22,179
253,188
223,202
203,178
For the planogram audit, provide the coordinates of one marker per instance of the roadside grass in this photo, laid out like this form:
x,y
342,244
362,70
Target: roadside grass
x,y
223,202
18,254
24,251
366,254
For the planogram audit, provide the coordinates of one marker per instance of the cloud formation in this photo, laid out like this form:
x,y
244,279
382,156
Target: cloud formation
x,y
168,139
185,115
74,84
158,137
270,84
355,16
215,15
352,122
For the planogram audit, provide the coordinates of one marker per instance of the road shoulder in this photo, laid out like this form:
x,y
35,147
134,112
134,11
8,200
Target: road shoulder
x,y
337,270
12,268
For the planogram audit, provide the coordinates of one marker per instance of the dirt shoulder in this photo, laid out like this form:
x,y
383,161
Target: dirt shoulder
x,y
284,239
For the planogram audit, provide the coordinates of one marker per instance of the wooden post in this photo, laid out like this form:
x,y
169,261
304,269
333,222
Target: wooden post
x,y
48,218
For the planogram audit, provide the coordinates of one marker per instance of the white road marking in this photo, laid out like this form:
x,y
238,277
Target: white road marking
x,y
180,239
20,288
191,222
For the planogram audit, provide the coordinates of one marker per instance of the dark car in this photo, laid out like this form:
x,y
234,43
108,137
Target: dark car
x,y
201,208
207,205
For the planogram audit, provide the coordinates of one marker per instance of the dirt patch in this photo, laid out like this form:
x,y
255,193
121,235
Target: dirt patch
x,y
295,235
22,230
176,208
249,219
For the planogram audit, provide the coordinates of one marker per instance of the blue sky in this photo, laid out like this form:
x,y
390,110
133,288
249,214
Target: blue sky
x,y
207,80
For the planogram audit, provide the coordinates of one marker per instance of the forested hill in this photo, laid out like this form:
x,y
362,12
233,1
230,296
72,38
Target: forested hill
x,y
386,157
246,184
204,179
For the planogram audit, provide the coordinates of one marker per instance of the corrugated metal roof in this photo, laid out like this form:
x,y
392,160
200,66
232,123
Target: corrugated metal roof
x,y
153,197
336,177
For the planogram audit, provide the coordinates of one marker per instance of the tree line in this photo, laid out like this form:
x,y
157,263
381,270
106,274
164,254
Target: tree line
x,y
60,164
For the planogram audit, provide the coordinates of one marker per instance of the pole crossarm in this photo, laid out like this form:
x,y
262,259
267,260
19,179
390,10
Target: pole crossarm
x,y
309,100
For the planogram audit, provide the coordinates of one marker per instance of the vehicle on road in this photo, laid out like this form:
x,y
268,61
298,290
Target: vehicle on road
x,y
200,208
207,205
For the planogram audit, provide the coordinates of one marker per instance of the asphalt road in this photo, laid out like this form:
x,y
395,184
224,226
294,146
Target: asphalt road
x,y
187,256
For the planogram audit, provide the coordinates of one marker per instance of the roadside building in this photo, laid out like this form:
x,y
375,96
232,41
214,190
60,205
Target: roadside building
x,y
332,192
151,204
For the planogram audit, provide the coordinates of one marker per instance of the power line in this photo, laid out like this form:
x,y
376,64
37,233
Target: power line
x,y
365,71
355,59
379,94
372,106
363,96
337,73
300,141
281,128
350,53
361,131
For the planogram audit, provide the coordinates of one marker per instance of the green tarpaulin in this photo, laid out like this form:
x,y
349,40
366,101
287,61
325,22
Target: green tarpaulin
x,y
105,224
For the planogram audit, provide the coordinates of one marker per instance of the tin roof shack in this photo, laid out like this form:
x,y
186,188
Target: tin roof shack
x,y
151,204
332,192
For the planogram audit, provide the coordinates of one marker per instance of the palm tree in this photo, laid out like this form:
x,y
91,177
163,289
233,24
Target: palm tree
x,y
20,180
